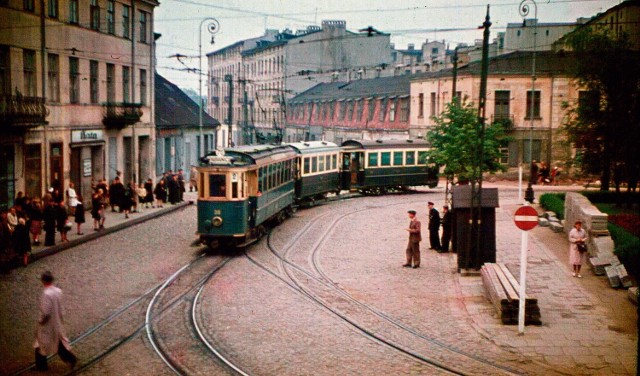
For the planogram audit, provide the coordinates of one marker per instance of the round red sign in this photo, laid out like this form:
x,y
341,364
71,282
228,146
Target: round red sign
x,y
526,218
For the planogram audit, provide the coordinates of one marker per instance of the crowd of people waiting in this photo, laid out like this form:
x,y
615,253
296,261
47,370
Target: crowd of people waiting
x,y
22,225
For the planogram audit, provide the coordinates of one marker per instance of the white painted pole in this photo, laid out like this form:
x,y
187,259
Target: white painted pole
x,y
520,184
523,280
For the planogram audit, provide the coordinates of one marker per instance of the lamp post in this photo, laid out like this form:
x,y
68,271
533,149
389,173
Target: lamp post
x,y
524,11
212,28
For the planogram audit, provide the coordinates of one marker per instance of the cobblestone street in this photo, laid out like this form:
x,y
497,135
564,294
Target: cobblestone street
x,y
325,294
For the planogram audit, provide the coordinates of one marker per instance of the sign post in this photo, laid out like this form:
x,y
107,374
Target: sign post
x,y
525,218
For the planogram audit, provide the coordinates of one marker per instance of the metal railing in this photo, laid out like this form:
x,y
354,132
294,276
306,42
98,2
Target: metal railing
x,y
120,115
21,111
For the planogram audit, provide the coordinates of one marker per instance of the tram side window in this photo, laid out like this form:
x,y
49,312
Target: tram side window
x,y
278,174
307,165
314,164
217,186
272,176
385,158
321,163
410,158
346,161
422,157
397,158
334,161
373,159
260,179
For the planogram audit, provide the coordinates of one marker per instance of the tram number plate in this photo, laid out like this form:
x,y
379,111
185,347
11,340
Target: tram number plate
x,y
217,212
234,177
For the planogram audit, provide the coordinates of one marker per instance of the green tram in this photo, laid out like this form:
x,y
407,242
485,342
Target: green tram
x,y
242,189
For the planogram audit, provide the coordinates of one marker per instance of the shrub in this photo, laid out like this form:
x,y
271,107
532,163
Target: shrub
x,y
627,247
553,202
611,197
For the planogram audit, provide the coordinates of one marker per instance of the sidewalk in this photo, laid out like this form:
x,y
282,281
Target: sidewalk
x,y
114,222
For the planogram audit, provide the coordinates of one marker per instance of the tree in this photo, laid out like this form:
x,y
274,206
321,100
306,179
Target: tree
x,y
605,125
455,143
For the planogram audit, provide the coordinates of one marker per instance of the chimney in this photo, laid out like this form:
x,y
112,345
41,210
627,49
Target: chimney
x,y
411,46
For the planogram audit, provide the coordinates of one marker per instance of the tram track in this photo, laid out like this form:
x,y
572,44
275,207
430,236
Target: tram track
x,y
321,278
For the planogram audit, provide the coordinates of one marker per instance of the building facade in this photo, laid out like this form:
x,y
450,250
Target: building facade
x,y
76,94
509,100
520,36
178,133
367,109
252,80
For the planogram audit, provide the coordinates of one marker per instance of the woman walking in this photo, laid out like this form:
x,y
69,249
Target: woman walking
x,y
62,221
21,241
126,200
35,216
49,218
577,254
148,198
97,209
79,215
161,193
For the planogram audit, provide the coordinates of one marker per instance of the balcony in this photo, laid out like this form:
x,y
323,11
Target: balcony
x,y
22,112
120,115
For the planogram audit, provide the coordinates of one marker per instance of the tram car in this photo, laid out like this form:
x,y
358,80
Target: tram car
x,y
244,189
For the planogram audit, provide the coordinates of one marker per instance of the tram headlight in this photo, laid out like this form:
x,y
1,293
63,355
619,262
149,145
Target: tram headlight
x,y
216,222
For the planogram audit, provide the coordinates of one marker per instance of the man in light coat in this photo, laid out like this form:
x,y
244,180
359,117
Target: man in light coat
x,y
413,248
50,335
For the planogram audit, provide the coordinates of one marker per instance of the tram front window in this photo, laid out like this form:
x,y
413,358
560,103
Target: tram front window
x,y
217,186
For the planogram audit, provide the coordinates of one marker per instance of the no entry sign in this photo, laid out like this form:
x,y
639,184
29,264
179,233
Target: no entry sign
x,y
526,218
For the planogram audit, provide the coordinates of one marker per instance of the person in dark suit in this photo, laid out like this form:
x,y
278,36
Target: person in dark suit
x,y
413,248
446,229
434,227
49,218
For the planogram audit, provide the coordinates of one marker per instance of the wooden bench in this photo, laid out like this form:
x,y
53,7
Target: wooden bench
x,y
502,290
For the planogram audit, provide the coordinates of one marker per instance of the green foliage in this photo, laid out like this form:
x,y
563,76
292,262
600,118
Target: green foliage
x,y
455,142
607,197
627,247
553,202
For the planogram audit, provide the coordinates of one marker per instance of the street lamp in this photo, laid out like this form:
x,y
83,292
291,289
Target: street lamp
x,y
524,11
212,28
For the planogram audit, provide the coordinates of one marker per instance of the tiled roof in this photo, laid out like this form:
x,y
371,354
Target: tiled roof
x,y
374,87
174,108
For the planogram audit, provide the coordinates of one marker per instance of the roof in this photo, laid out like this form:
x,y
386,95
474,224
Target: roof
x,y
374,87
227,48
309,147
174,108
263,45
413,52
515,63
247,155
541,24
386,144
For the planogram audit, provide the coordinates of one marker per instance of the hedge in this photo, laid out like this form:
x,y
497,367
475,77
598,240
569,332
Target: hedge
x,y
627,247
553,202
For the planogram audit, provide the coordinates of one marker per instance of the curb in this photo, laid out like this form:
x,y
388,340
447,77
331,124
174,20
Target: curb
x,y
108,230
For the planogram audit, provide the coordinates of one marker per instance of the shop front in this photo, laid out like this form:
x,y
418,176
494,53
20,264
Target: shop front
x,y
87,160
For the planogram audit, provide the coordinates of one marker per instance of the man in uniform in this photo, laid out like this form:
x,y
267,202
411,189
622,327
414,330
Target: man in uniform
x,y
434,227
446,229
413,248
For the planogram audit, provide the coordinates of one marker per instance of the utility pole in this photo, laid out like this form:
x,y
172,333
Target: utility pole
x,y
43,75
455,76
229,79
245,113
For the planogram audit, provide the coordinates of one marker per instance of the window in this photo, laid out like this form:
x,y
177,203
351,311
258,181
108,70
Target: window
x,y
52,8
29,5
421,105
343,110
93,82
126,83
29,72
501,110
143,86
126,22
373,159
350,110
422,158
217,185
372,109
74,12
432,112
314,164
392,110
397,158
383,109
111,17
111,83
410,158
53,78
385,158
321,163
360,110
404,110
536,105
434,51
143,27
334,161
95,15
333,110
5,68
74,80
307,165
504,153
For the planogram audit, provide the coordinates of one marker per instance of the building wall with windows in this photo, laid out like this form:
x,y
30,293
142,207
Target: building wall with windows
x,y
508,101
93,75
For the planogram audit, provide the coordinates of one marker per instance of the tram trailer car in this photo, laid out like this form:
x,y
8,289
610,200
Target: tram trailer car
x,y
241,189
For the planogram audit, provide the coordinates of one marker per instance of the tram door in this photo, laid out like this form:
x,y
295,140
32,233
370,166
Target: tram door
x,y
352,169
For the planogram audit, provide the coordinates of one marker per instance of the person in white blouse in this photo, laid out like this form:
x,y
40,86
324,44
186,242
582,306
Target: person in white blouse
x,y
72,198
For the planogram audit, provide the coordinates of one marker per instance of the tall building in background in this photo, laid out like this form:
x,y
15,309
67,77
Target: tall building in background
x,y
76,94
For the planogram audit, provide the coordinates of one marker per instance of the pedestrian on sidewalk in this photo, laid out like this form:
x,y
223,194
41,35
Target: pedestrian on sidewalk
x,y
174,189
181,185
21,241
434,227
72,198
193,179
62,221
160,192
98,206
141,194
49,218
35,226
446,229
126,201
148,198
79,215
50,334
6,245
116,193
577,236
413,247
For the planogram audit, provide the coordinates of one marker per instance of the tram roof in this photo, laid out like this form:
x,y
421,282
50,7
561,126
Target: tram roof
x,y
248,155
309,147
385,144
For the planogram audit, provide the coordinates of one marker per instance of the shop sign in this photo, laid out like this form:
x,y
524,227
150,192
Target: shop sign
x,y
86,135
86,167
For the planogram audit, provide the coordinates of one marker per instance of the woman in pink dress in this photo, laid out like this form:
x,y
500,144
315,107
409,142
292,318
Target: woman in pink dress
x,y
576,258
